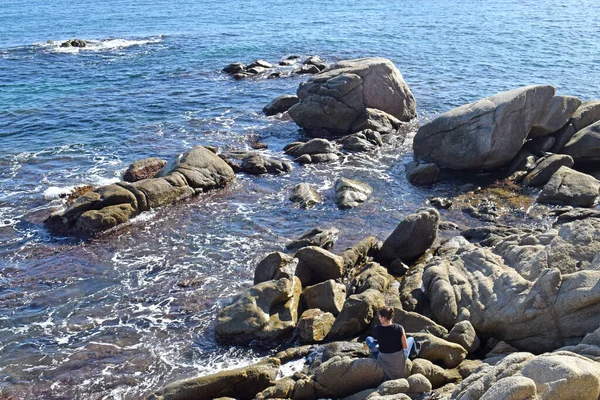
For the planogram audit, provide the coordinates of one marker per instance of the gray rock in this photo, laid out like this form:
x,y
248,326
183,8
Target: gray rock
x,y
318,265
372,276
545,168
378,121
412,237
313,151
422,174
339,377
523,161
562,137
350,193
234,68
328,296
276,265
357,314
570,187
314,325
280,104
260,64
587,114
304,195
556,114
464,334
418,384
440,202
257,164
436,349
361,141
483,135
324,238
334,99
436,375
357,254
74,43
267,312
584,146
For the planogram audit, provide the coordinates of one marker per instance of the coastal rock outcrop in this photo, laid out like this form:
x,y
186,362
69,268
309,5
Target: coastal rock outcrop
x,y
328,296
486,134
584,146
324,238
106,207
335,98
412,237
143,169
313,151
318,265
545,168
557,113
265,313
422,174
570,187
357,313
350,193
314,325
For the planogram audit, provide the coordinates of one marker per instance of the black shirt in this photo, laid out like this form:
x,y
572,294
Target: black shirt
x,y
389,338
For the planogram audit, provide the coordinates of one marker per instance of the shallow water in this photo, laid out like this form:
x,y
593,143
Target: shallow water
x,y
113,317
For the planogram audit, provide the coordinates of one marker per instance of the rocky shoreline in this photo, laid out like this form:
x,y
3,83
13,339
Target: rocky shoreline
x,y
499,312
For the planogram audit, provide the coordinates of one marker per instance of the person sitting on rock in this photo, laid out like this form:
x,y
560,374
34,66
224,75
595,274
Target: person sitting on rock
x,y
390,340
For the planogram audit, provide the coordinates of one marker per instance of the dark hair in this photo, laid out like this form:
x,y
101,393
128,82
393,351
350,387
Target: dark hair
x,y
387,313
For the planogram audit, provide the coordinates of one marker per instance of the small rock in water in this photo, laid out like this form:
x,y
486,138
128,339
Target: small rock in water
x,y
234,68
304,195
440,202
324,238
422,174
143,169
77,192
280,104
350,193
74,43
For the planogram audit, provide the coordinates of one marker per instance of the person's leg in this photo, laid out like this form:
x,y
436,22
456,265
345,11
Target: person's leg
x,y
410,341
373,346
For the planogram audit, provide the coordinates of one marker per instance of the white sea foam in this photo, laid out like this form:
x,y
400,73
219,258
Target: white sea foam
x,y
99,45
54,192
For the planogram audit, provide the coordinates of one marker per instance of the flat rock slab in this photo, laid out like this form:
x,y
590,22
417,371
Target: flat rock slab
x,y
486,134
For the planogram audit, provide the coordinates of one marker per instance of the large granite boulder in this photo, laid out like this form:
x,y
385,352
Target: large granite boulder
x,y
557,113
545,168
264,313
486,134
275,265
587,114
438,350
476,285
371,276
584,146
571,188
343,376
314,325
328,296
412,237
337,97
358,312
195,171
318,265
240,383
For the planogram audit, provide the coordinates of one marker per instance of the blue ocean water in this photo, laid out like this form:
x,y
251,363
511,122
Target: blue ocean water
x,y
110,318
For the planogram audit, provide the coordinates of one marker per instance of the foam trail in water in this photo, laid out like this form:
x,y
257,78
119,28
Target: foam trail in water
x,y
99,45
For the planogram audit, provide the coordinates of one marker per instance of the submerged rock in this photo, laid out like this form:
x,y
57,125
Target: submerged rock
x,y
334,99
74,43
486,134
350,193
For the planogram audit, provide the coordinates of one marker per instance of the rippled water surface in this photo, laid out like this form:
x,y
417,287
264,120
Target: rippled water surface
x,y
121,315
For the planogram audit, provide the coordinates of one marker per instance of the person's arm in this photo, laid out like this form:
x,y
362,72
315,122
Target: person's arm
x,y
404,343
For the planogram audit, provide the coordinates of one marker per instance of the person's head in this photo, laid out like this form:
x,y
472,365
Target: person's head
x,y
386,314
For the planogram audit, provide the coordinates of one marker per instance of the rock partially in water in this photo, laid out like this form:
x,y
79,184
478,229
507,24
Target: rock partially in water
x,y
422,174
570,187
412,237
334,99
143,169
486,134
584,146
234,68
350,193
440,202
545,168
265,313
378,121
313,151
557,113
280,104
324,238
304,195
257,164
361,141
74,43
240,383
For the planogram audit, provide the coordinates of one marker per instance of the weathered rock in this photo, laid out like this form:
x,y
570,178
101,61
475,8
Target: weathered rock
x,y
540,146
307,69
394,386
570,187
413,322
240,383
412,237
282,389
476,285
523,161
143,169
275,266
334,99
486,134
436,375
317,150
316,61
339,377
324,238
358,253
557,113
436,349
257,164
418,384
318,265
304,195
74,43
378,121
587,114
365,140
350,193
234,68
280,104
356,315
545,168
260,64
372,276
511,388
422,174
344,349
314,325
562,137
397,267
440,202
328,296
266,312
464,334
584,146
